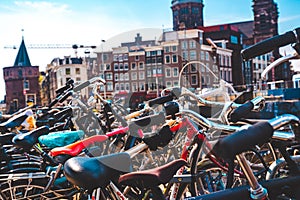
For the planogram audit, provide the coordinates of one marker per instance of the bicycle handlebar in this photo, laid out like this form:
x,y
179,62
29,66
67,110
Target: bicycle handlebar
x,y
270,44
160,100
87,83
242,110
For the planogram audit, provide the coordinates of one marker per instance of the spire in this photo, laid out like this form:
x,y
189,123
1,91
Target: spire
x,y
22,58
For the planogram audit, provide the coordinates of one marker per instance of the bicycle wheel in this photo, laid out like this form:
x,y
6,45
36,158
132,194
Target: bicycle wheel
x,y
279,168
31,188
21,189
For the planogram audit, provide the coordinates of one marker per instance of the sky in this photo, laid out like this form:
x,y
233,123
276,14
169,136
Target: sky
x,y
91,21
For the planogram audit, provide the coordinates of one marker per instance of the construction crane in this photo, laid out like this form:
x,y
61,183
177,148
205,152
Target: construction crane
x,y
51,46
55,46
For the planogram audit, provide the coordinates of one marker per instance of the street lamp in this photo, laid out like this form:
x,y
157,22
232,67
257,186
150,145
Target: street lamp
x,y
103,67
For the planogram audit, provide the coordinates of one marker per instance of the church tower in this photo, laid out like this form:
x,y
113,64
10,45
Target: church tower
x,y
187,14
21,82
265,19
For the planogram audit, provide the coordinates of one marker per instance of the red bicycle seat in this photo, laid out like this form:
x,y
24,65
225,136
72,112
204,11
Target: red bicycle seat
x,y
76,148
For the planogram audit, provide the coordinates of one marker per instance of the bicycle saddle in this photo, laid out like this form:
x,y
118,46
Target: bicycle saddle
x,y
6,138
60,138
27,140
243,140
77,147
152,177
91,173
13,122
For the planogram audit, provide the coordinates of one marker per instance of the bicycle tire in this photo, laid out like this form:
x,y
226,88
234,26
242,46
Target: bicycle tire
x,y
280,164
19,189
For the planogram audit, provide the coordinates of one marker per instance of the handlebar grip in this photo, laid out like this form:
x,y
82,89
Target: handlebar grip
x,y
160,100
61,90
268,45
64,112
243,140
241,111
146,122
65,96
133,115
81,86
53,103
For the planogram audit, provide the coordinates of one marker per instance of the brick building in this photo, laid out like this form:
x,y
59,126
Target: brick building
x,y
21,82
187,14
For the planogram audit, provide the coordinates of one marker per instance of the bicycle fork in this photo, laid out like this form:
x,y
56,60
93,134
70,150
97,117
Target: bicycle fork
x,y
257,192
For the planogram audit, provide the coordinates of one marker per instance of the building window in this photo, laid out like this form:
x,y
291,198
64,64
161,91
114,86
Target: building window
x,y
215,68
153,53
142,86
192,44
117,87
125,57
168,72
121,66
175,83
122,88
193,68
133,66
208,80
167,59
174,59
120,58
185,55
175,72
137,58
121,77
141,75
167,49
125,66
149,73
109,86
193,55
207,56
78,79
174,48
68,71
108,67
141,65
133,76
77,70
126,76
159,52
233,39
102,67
115,57
134,87
194,80
26,84
105,57
195,10
184,45
159,60
30,98
108,76
116,77
127,88
116,67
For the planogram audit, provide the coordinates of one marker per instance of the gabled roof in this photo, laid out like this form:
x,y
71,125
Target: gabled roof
x,y
22,58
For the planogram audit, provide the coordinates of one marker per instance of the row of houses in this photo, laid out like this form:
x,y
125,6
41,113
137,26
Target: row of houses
x,y
142,69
